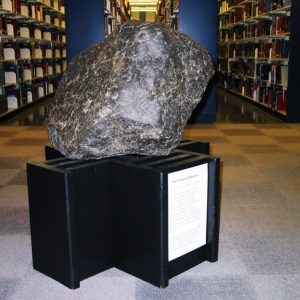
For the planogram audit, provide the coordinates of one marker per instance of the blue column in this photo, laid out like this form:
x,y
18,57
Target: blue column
x,y
84,24
198,19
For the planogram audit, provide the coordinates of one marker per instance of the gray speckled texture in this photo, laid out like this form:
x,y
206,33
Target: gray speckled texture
x,y
132,93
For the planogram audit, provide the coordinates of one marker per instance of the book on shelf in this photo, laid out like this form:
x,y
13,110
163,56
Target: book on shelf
x,y
38,51
27,71
10,73
12,27
24,8
38,70
25,30
48,51
58,68
37,33
13,97
47,34
25,50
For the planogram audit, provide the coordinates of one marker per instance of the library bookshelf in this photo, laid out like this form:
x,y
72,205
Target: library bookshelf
x,y
118,12
256,48
33,52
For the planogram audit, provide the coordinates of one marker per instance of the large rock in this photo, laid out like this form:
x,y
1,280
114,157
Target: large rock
x,y
132,93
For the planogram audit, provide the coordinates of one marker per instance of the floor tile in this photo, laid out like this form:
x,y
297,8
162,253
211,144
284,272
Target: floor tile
x,y
242,174
6,175
12,162
282,174
14,221
270,287
30,151
38,286
234,160
7,287
32,134
258,148
14,196
213,288
287,139
202,132
19,179
274,159
15,253
24,142
248,140
295,148
224,149
280,132
270,256
241,132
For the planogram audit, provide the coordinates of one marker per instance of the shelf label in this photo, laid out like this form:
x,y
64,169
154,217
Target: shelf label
x,y
39,72
41,92
10,77
187,210
27,74
38,53
9,54
24,32
12,101
37,34
49,53
25,53
47,35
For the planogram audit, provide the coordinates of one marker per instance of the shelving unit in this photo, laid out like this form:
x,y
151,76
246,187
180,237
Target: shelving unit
x,y
254,53
32,51
119,11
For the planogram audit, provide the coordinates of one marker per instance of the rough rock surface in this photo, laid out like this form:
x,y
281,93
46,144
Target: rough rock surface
x,y
132,93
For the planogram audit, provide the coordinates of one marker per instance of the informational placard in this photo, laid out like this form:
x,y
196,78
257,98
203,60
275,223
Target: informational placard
x,y
187,210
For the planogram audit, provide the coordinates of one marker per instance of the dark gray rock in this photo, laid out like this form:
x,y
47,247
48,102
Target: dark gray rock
x,y
132,93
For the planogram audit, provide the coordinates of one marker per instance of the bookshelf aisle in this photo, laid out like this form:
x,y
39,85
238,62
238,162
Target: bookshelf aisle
x,y
32,51
254,53
119,11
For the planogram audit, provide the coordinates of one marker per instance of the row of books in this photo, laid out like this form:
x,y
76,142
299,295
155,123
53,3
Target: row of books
x,y
262,5
11,74
271,73
276,24
278,48
16,97
33,9
27,51
271,5
15,28
273,96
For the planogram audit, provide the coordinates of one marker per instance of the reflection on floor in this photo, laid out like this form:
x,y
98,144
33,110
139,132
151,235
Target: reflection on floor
x,y
231,109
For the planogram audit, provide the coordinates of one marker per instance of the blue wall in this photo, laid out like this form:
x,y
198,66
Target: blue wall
x,y
84,24
198,19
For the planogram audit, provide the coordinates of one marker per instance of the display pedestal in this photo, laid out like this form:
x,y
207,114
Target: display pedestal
x,y
124,212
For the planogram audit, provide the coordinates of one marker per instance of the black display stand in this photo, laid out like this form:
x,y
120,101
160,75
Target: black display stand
x,y
88,216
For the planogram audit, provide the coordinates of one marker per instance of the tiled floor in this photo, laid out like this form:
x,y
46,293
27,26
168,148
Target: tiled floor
x,y
260,221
